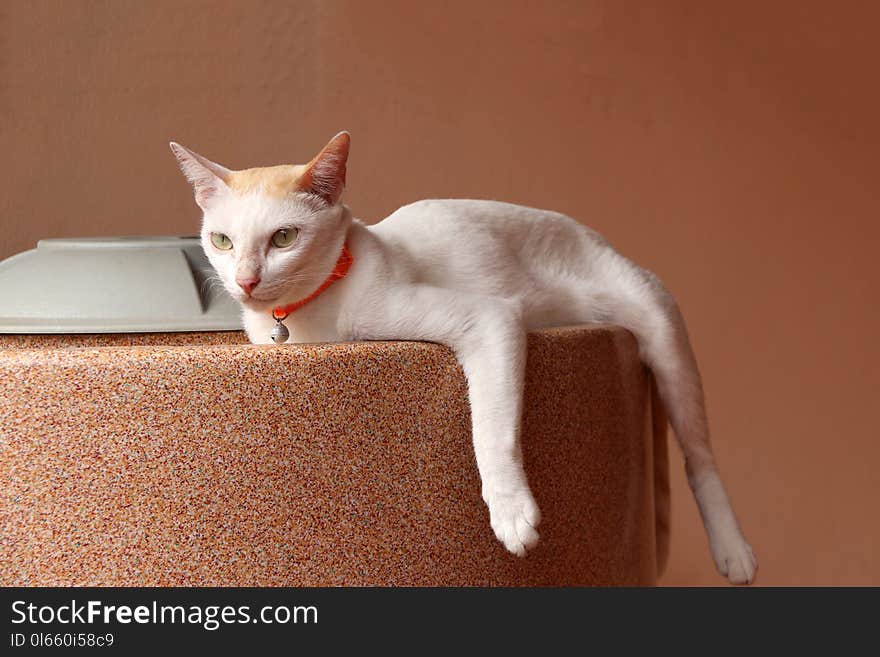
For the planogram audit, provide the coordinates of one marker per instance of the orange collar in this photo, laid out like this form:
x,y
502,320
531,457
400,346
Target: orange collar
x,y
339,271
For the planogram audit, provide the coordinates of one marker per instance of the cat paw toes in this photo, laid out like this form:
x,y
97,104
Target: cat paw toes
x,y
736,561
514,518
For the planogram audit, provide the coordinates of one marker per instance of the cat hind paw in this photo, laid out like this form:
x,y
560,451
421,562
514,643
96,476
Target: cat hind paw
x,y
736,561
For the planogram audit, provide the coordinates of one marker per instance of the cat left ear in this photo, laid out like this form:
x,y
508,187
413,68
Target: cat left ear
x,y
208,178
324,176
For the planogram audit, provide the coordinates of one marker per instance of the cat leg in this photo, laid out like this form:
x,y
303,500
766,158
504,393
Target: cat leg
x,y
639,302
492,353
488,338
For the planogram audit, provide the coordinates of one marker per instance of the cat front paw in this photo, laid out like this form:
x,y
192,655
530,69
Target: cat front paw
x,y
514,517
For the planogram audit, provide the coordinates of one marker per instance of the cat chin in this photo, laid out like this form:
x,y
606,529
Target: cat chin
x,y
258,305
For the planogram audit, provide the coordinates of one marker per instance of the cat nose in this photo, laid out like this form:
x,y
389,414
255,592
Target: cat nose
x,y
248,284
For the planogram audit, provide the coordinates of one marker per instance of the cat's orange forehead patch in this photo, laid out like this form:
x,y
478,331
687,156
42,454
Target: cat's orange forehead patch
x,y
275,181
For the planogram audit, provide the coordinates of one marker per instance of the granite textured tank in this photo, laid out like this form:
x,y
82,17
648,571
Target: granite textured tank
x,y
144,442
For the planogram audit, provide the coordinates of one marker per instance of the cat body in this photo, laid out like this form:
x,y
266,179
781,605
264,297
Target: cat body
x,y
419,245
472,275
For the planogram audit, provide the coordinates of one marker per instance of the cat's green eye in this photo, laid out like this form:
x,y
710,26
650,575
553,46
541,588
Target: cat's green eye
x,y
284,237
221,241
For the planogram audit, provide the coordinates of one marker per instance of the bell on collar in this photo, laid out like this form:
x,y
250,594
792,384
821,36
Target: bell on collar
x,y
279,333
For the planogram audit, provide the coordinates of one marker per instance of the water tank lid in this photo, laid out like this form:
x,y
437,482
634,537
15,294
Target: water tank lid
x,y
114,285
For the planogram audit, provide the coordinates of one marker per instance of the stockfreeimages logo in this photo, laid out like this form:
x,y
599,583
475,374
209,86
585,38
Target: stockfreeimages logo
x,y
210,617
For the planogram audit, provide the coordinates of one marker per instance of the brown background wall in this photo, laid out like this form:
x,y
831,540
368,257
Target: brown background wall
x,y
731,149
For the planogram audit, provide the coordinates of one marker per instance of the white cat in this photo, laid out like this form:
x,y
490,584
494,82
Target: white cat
x,y
472,275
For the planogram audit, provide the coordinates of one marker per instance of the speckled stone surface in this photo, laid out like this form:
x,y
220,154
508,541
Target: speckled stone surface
x,y
52,340
206,462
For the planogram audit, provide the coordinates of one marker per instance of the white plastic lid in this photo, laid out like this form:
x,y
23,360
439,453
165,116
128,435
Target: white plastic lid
x,y
114,285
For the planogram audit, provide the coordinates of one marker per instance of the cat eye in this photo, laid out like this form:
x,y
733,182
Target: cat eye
x,y
221,241
284,237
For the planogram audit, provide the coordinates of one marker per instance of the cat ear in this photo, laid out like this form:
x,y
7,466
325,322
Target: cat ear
x,y
208,178
325,174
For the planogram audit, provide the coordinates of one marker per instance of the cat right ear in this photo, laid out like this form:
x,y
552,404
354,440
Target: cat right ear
x,y
208,178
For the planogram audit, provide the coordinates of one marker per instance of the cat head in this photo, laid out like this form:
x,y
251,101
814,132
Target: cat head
x,y
273,234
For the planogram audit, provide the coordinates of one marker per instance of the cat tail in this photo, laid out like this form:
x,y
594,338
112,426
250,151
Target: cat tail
x,y
636,299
